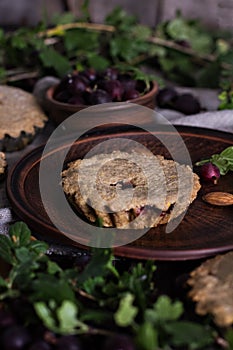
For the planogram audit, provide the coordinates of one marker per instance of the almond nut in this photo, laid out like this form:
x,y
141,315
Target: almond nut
x,y
218,198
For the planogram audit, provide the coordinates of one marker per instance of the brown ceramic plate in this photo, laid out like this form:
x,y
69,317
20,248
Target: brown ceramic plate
x,y
205,230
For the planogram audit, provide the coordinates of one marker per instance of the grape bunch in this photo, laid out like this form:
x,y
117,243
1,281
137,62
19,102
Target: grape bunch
x,y
15,335
90,87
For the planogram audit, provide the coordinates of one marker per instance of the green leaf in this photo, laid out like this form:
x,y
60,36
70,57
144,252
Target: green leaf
x,y
178,29
64,18
141,32
53,267
22,254
100,265
48,287
227,153
194,335
67,317
81,40
120,19
45,314
3,283
20,233
208,76
52,59
229,338
147,337
39,247
126,312
97,62
164,310
5,249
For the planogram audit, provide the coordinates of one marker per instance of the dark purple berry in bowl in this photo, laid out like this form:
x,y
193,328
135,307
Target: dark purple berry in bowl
x,y
78,85
76,100
99,96
209,172
141,86
64,84
127,82
62,96
131,95
114,88
111,73
90,74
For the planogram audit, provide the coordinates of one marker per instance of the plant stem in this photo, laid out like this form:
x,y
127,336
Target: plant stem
x,y
172,45
82,25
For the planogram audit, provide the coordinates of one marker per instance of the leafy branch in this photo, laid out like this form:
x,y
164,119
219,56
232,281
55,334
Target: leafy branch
x,y
182,49
86,301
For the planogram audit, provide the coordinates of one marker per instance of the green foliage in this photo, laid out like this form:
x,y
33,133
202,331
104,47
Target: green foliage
x,y
53,59
226,96
187,53
223,160
69,301
126,312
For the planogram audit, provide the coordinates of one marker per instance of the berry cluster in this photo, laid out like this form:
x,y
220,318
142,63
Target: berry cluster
x,y
90,87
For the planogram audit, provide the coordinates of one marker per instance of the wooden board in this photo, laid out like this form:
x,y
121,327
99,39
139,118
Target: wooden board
x,y
205,230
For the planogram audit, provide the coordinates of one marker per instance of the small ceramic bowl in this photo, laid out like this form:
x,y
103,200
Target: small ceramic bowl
x,y
59,111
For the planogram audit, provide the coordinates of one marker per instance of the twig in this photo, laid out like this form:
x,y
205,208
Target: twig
x,y
23,75
84,25
188,51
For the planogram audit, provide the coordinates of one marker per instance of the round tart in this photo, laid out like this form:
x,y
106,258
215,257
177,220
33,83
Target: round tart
x,y
3,165
21,118
88,185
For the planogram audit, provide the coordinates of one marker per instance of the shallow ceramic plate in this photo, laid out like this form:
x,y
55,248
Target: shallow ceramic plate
x,y
205,230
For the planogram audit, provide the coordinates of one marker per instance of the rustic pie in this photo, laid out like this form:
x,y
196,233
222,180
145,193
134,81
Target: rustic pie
x,y
21,118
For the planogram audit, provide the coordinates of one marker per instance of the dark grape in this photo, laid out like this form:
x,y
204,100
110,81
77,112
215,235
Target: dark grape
x,y
118,342
166,97
187,104
111,73
6,318
114,88
77,85
140,86
131,94
90,74
76,100
62,96
40,345
64,84
68,342
15,338
127,82
99,96
91,87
